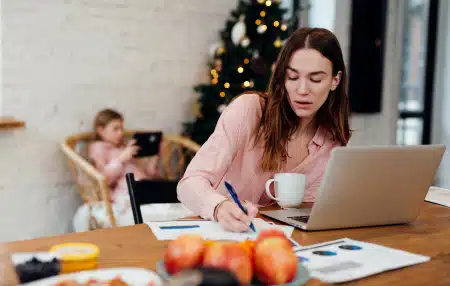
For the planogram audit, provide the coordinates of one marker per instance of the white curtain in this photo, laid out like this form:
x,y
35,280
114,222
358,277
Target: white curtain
x,y
441,103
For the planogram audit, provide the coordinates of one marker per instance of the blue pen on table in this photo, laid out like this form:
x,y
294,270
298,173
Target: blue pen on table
x,y
236,200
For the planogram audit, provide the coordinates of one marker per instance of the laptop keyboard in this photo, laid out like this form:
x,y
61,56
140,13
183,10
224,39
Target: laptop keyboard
x,y
303,218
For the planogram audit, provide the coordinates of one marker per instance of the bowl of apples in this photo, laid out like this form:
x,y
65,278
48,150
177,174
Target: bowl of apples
x,y
268,260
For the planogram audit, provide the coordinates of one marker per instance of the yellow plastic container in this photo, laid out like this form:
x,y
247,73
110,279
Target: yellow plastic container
x,y
76,256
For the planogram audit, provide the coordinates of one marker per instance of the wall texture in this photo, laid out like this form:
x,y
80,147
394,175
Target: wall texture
x,y
65,60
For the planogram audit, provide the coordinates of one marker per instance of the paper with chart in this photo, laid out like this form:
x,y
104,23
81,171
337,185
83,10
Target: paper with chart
x,y
438,196
170,230
345,259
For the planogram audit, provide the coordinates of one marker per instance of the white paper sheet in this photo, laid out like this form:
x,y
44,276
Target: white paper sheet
x,y
345,259
438,196
209,230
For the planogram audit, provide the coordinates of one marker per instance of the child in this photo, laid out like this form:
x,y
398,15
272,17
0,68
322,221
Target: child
x,y
113,157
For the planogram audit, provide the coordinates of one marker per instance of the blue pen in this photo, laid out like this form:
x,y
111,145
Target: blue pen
x,y
236,200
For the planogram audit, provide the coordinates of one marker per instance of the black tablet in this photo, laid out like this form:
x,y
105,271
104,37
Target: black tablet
x,y
149,143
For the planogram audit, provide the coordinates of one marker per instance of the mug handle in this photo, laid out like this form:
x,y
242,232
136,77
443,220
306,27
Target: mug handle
x,y
270,181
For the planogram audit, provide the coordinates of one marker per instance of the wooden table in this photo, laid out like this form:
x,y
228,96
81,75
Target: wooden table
x,y
428,235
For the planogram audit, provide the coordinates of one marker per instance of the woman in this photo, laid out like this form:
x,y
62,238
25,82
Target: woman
x,y
291,128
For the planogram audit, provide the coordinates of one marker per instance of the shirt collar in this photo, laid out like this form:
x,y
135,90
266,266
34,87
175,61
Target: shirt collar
x,y
319,137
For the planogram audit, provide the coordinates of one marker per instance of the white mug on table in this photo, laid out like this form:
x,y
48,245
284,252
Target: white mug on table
x,y
289,189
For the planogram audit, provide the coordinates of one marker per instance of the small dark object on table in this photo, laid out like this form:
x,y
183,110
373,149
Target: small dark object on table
x,y
204,276
35,269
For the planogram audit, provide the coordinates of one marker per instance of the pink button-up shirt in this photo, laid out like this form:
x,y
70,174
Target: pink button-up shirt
x,y
229,155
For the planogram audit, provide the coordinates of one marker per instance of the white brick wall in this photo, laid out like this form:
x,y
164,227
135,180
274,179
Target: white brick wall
x,y
65,60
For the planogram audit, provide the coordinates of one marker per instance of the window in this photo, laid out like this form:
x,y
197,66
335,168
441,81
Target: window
x,y
419,43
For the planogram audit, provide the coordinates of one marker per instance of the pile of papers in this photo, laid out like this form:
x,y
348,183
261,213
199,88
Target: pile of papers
x,y
170,230
438,196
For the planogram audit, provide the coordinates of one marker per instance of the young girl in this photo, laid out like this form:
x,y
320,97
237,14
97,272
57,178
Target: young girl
x,y
291,128
113,157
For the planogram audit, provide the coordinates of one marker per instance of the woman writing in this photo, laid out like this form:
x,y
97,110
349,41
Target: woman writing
x,y
291,128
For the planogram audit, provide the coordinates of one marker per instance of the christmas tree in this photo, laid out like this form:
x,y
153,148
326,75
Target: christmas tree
x,y
243,60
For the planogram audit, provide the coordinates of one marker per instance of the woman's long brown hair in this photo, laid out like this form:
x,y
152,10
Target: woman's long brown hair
x,y
279,122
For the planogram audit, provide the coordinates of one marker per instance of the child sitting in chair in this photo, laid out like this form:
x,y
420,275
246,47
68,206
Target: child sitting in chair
x,y
113,157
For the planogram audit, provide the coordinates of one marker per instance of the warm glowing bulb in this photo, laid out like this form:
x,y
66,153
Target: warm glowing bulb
x,y
227,85
214,81
277,43
213,72
222,94
240,69
258,22
246,83
263,13
283,27
276,24
246,61
268,3
264,28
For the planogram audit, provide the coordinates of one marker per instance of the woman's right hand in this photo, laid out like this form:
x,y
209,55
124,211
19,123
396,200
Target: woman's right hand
x,y
232,218
130,150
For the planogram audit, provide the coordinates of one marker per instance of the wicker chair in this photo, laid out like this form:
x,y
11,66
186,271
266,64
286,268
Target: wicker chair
x,y
176,153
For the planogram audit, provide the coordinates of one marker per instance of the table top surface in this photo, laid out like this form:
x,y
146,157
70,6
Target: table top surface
x,y
136,246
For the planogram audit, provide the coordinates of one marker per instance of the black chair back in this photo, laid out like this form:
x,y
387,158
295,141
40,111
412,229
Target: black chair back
x,y
149,192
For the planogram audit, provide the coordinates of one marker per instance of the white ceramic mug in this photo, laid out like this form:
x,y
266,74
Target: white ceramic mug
x,y
289,189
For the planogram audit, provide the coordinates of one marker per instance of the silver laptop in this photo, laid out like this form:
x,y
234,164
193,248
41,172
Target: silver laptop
x,y
368,186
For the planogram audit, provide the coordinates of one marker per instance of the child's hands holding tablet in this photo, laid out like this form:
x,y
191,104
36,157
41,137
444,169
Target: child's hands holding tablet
x,y
129,152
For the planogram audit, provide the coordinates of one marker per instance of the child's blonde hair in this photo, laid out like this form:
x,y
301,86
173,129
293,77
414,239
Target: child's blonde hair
x,y
103,118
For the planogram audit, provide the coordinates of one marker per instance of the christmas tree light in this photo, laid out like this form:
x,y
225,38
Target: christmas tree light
x,y
241,61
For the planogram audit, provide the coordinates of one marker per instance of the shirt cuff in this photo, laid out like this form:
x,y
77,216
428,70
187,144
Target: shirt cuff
x,y
210,204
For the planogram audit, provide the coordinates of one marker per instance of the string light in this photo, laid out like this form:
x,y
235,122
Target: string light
x,y
214,81
222,94
276,24
258,22
246,83
284,27
240,69
246,61
268,3
263,13
213,72
263,28
277,43
227,85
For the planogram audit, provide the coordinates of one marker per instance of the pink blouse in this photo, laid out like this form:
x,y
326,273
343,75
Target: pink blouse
x,y
105,158
229,155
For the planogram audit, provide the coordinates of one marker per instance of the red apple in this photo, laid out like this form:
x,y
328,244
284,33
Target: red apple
x,y
232,257
274,264
184,253
271,233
